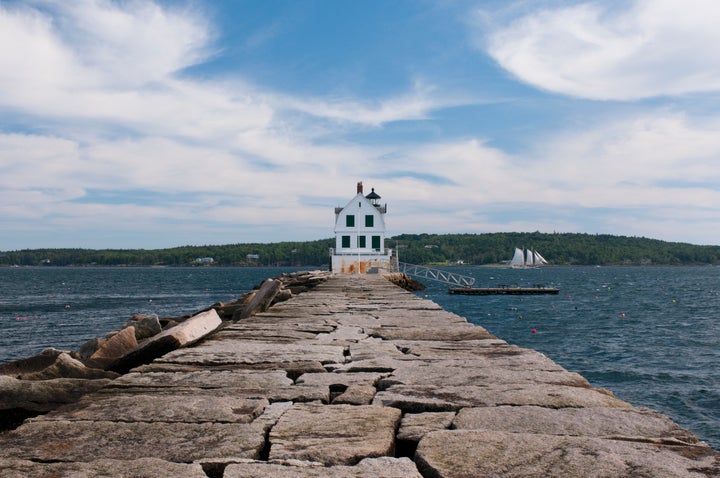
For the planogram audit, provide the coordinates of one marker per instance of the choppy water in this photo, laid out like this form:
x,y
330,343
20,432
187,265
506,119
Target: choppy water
x,y
649,334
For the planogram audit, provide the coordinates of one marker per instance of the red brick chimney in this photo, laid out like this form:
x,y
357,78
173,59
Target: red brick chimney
x,y
359,188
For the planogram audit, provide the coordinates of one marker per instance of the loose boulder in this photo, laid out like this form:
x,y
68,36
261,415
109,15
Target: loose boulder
x,y
31,364
260,301
67,367
113,348
183,334
44,395
88,348
145,325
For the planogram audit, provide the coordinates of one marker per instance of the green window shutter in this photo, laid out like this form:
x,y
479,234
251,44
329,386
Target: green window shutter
x,y
346,241
350,220
361,240
376,242
369,220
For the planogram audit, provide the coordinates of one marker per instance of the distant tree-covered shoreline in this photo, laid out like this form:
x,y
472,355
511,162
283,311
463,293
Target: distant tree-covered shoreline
x,y
557,248
469,249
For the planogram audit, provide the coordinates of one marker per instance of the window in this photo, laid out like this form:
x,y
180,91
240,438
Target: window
x,y
376,242
350,220
369,219
346,241
361,241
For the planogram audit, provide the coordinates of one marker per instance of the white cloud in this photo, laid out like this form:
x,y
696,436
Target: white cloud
x,y
135,42
99,43
117,64
33,173
620,51
414,105
651,160
37,58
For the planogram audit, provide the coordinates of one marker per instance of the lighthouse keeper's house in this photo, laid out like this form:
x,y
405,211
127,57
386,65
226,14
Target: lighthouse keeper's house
x,y
360,236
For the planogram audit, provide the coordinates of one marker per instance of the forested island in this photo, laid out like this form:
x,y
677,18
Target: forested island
x,y
467,249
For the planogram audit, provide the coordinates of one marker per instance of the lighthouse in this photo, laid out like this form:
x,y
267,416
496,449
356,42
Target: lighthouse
x,y
360,236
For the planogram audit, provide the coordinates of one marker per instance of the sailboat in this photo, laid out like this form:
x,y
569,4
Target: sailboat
x,y
524,258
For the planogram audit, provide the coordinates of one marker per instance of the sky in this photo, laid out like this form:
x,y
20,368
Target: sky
x,y
153,124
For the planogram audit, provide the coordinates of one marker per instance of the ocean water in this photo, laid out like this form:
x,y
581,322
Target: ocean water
x,y
651,335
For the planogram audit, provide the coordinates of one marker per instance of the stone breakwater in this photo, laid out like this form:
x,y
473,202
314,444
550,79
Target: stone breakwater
x,y
355,378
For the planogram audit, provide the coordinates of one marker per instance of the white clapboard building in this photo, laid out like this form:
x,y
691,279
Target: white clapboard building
x,y
360,236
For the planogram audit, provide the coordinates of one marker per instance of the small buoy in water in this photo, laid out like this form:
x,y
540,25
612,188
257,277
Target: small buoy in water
x,y
622,315
67,306
534,331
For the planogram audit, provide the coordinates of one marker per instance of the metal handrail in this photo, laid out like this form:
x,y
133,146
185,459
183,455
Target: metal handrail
x,y
436,274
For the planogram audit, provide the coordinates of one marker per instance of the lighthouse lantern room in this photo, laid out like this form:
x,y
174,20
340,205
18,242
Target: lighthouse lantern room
x,y
360,236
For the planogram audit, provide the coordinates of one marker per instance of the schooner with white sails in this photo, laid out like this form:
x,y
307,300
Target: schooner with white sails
x,y
525,258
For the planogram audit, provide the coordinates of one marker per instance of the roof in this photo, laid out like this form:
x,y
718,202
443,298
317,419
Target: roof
x,y
373,195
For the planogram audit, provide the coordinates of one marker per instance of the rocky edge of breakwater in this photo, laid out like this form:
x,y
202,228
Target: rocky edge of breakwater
x,y
39,384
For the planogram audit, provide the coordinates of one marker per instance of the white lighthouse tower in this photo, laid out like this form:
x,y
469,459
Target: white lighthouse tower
x,y
360,236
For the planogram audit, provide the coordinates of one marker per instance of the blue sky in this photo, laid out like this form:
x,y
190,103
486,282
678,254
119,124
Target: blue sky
x,y
139,124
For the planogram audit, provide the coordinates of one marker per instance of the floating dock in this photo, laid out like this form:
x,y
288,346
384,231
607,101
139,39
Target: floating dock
x,y
504,290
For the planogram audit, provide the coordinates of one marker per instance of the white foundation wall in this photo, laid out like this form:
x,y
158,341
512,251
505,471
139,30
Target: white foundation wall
x,y
351,264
